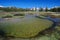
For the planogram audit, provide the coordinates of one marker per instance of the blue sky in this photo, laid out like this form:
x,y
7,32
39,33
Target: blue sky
x,y
30,3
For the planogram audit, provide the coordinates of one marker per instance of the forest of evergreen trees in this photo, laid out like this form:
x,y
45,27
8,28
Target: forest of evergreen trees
x,y
14,9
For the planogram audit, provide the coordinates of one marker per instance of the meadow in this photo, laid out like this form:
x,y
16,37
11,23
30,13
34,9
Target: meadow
x,y
27,27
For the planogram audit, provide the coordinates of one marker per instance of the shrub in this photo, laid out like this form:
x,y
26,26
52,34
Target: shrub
x,y
7,16
19,14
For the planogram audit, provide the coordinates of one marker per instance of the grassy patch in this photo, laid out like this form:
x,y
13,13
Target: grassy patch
x,y
19,14
26,27
58,28
7,16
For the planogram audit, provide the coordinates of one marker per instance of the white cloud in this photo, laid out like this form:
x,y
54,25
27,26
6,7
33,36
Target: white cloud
x,y
48,8
1,6
43,8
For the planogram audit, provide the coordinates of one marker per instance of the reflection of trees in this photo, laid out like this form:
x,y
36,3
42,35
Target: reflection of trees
x,y
3,35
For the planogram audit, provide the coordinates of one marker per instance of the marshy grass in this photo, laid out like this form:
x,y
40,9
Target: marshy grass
x,y
19,14
7,16
26,27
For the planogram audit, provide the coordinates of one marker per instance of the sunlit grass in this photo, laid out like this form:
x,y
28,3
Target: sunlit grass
x,y
58,28
25,28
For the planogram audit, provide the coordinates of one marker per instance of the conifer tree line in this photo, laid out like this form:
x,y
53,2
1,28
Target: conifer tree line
x,y
15,9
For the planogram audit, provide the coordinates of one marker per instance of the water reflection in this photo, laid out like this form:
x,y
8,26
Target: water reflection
x,y
56,21
27,17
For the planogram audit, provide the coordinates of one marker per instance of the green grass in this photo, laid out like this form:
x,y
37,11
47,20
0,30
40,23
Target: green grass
x,y
12,16
58,28
52,37
20,14
1,16
25,28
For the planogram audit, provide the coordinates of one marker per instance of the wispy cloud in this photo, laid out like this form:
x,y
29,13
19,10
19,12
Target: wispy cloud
x,y
1,6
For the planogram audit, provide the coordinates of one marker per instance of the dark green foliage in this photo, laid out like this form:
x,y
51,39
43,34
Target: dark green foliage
x,y
41,9
8,16
55,9
2,33
46,9
19,14
13,9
